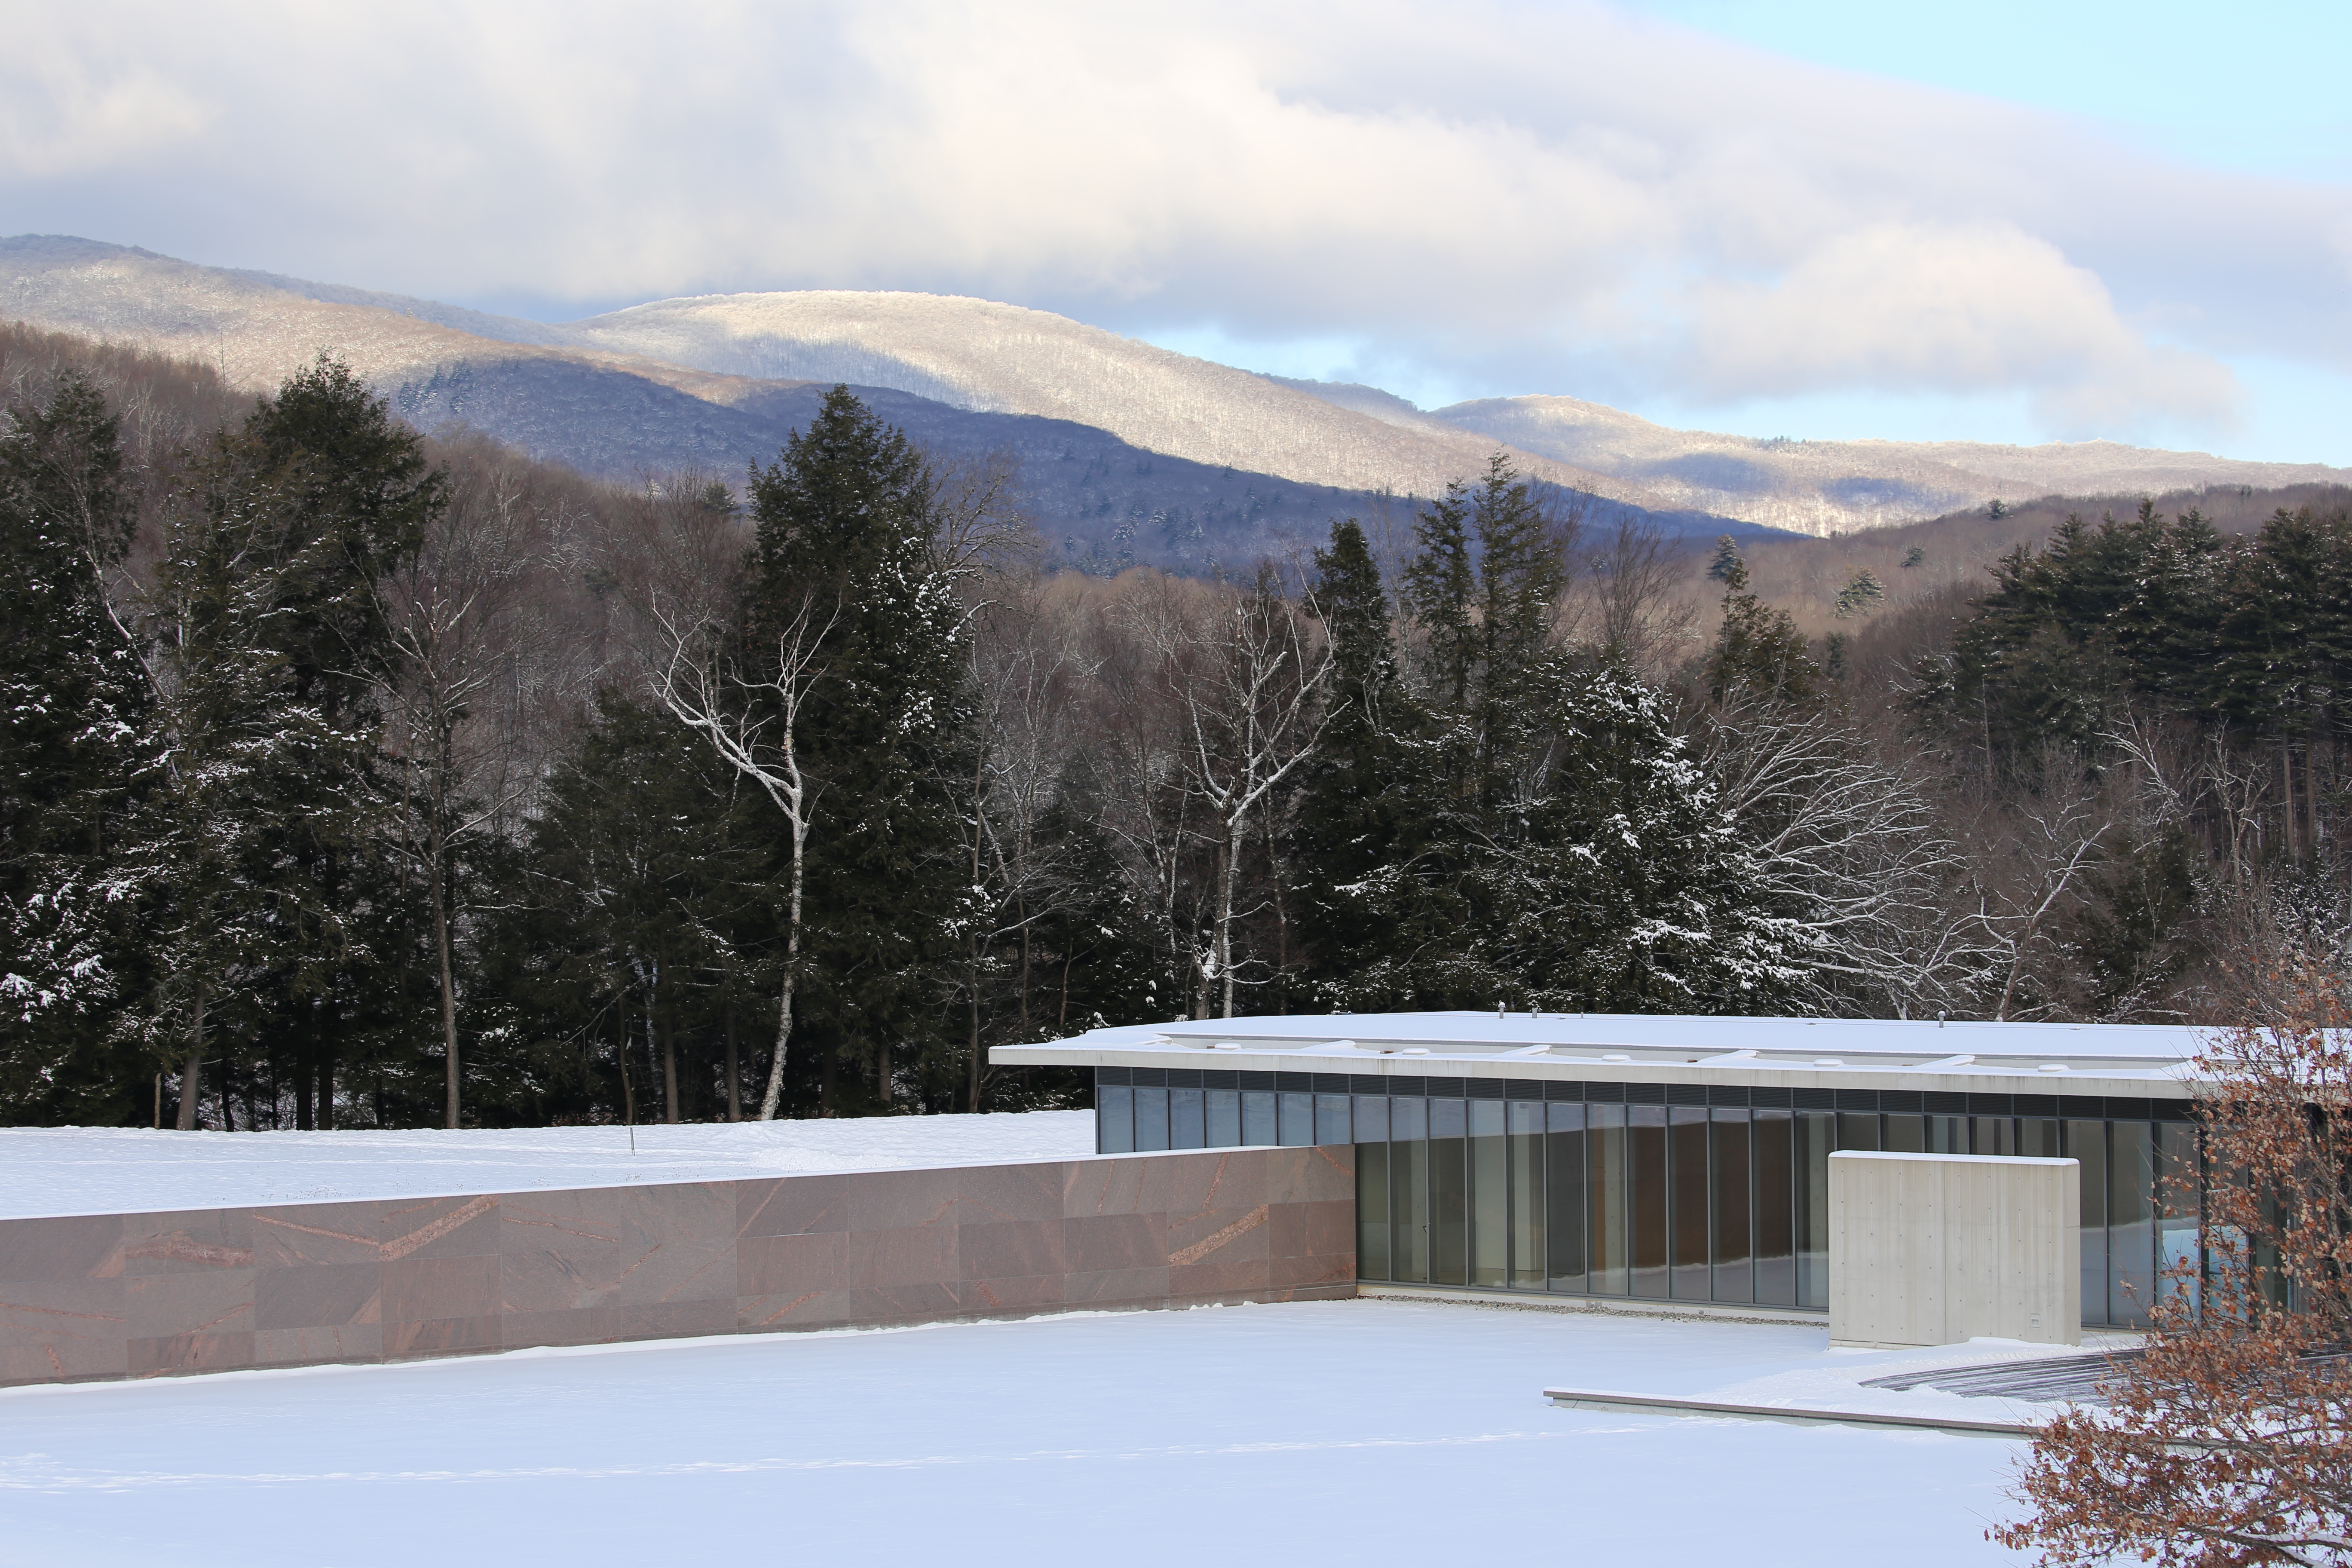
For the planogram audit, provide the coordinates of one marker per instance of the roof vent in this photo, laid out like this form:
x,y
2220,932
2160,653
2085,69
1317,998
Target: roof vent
x,y
2054,1066
1227,1046
1829,1061
1414,1052
1617,1058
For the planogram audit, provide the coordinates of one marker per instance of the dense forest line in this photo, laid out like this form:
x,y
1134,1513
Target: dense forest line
x,y
354,777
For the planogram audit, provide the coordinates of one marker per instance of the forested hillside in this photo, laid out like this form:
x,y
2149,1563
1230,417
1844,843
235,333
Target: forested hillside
x,y
352,778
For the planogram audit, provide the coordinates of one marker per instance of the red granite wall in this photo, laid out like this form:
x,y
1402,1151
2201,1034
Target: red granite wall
x,y
139,1295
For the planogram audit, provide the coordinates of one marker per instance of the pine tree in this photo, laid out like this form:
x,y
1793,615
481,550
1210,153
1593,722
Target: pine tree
x,y
1354,815
1758,654
1863,593
626,927
1628,890
1720,566
274,620
72,700
844,525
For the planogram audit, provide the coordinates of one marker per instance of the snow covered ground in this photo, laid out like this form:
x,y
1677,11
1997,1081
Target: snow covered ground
x,y
106,1170
1369,1430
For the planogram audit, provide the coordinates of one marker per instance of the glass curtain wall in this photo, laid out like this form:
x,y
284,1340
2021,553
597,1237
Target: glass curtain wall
x,y
1677,1192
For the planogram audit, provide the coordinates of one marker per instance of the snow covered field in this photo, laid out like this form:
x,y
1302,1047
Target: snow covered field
x,y
107,1170
1369,1430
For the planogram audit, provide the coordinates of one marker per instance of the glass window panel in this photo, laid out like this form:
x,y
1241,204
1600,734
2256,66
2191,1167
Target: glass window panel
x,y
1115,1121
1408,1119
1225,1106
1733,1219
2037,1139
2086,1144
1857,1129
2176,1209
1372,1211
1331,1120
1906,1135
2131,1222
1687,1139
1776,1195
1646,1162
1371,1119
1527,1161
1490,1196
1150,1118
1947,1135
1449,1195
1993,1135
1606,1200
1257,1115
1187,1127
1811,1171
1408,1209
1298,1119
1564,1163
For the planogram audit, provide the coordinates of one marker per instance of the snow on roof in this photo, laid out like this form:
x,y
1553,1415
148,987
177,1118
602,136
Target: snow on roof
x,y
131,1170
1635,1048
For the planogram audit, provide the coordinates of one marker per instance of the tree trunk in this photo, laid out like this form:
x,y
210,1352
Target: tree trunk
x,y
971,1098
628,1094
2286,782
792,972
669,1069
448,992
734,1074
1226,874
192,1073
1023,908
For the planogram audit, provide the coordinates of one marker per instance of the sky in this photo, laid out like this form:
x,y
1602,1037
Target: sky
x,y
1996,221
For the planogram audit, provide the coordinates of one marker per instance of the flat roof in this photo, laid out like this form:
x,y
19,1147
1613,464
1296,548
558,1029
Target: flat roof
x,y
2125,1059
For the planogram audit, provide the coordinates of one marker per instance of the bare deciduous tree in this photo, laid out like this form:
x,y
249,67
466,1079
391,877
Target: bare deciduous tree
x,y
1854,854
2228,1439
1250,684
462,628
750,716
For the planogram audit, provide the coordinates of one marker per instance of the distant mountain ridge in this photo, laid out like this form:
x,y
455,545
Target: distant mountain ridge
x,y
1134,450
1100,501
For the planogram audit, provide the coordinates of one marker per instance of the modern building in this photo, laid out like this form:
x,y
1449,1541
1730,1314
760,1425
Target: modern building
x,y
1662,1159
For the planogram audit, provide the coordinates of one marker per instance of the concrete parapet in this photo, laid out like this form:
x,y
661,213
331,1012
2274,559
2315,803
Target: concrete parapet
x,y
96,1297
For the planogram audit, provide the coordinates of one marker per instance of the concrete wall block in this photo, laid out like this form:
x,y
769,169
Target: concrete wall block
x,y
1933,1249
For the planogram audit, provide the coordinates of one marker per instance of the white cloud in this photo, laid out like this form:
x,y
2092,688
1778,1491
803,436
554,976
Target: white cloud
x,y
1552,197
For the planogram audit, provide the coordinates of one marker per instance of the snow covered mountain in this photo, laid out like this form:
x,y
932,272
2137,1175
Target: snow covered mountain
x,y
1821,487
1136,452
726,351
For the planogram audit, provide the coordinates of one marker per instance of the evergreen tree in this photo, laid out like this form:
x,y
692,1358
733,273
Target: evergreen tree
x,y
844,532
1354,815
282,650
624,933
72,700
1863,593
1758,654
1720,566
1627,889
